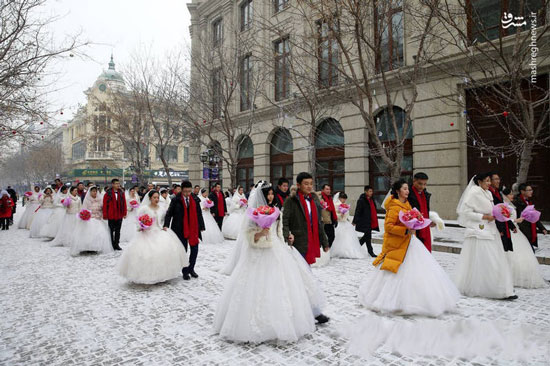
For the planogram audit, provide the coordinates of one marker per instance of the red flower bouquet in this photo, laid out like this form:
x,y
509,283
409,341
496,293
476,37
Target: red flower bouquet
x,y
243,202
134,204
502,212
343,208
208,203
145,222
263,216
28,194
324,205
531,215
85,215
413,219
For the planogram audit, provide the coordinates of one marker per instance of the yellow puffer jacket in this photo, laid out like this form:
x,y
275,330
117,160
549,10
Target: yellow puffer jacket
x,y
396,242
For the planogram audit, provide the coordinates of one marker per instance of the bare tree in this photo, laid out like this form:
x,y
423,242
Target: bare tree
x,y
498,70
367,36
26,50
225,85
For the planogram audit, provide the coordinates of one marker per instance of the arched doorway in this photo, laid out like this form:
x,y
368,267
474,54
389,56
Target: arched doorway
x,y
245,165
281,158
379,175
329,155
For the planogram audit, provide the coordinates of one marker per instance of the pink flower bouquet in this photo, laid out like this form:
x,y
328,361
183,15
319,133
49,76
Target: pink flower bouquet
x,y
134,204
208,203
85,215
263,216
502,212
324,205
66,201
243,202
343,208
28,194
530,214
145,222
413,219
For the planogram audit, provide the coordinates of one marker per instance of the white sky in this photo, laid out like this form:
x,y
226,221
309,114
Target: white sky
x,y
120,26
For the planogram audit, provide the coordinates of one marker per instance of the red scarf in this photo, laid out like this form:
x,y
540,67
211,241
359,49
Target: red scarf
x,y
313,243
373,214
533,224
330,208
497,195
190,221
281,198
425,234
221,201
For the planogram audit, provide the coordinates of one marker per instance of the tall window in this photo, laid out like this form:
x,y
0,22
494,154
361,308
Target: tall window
x,y
246,76
379,172
281,156
328,54
279,5
217,93
170,154
245,165
246,14
217,32
388,25
329,154
282,53
484,17
186,154
79,150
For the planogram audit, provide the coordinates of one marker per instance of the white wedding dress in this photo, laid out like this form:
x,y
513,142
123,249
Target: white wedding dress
x,y
482,269
419,287
42,216
56,218
153,255
129,224
232,223
523,263
92,235
271,294
212,233
346,243
30,209
64,236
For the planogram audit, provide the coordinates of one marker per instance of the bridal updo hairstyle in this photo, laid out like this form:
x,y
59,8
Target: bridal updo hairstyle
x,y
396,187
151,193
480,177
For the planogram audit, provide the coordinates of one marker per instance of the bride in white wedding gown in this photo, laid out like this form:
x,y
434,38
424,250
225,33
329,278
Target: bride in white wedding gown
x,y
483,269
271,293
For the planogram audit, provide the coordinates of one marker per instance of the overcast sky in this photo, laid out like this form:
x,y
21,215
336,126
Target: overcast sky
x,y
118,26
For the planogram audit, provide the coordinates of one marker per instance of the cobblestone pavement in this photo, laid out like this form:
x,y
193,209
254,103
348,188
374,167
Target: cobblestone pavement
x,y
60,310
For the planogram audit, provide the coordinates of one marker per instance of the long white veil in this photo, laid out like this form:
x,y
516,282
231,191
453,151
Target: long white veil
x,y
255,200
462,201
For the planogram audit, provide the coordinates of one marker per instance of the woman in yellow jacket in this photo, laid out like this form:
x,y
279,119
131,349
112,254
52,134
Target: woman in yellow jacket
x,y
406,278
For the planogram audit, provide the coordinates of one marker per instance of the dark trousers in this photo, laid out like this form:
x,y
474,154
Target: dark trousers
x,y
114,228
5,224
192,256
329,230
219,221
366,239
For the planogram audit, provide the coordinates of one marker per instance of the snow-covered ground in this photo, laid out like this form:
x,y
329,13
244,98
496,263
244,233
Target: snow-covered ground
x,y
60,310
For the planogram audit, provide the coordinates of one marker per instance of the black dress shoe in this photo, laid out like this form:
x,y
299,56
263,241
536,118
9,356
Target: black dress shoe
x,y
321,319
194,274
513,297
118,248
186,276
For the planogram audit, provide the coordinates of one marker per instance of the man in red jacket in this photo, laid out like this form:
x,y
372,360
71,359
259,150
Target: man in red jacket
x,y
114,210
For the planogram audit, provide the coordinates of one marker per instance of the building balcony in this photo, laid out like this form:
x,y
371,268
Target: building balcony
x,y
99,155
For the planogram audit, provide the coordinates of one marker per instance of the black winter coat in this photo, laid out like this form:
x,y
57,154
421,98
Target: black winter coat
x,y
176,213
362,216
213,196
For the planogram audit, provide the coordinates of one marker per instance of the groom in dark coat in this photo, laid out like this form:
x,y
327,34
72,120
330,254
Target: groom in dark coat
x,y
302,226
504,228
219,210
184,217
419,198
522,200
365,218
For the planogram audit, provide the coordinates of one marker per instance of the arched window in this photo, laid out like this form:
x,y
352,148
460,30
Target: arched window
x,y
379,174
245,165
329,145
281,157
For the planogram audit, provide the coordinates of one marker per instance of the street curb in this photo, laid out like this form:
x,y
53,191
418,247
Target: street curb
x,y
456,250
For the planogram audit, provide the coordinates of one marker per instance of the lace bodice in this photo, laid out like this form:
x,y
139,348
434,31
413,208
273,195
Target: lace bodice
x,y
95,205
46,202
75,206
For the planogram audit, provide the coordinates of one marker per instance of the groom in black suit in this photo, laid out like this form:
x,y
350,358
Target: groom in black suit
x,y
184,217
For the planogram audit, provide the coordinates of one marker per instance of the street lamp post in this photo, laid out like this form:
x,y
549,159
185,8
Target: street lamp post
x,y
105,174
